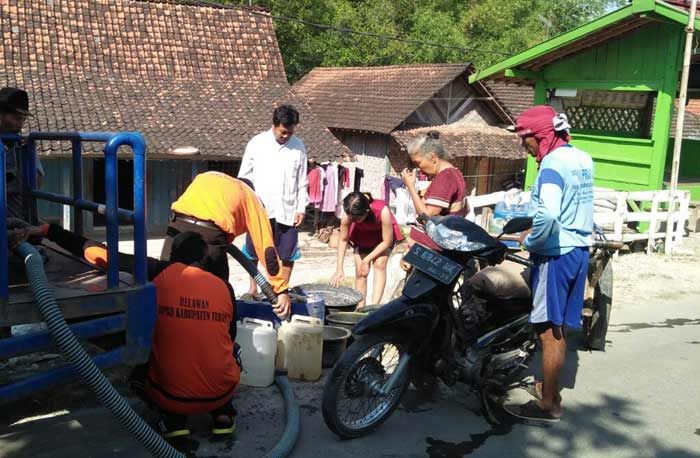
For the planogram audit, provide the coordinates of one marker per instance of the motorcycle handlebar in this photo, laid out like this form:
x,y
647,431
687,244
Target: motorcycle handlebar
x,y
517,259
608,244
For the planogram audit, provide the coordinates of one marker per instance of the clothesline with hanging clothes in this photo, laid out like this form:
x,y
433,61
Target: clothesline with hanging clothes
x,y
328,184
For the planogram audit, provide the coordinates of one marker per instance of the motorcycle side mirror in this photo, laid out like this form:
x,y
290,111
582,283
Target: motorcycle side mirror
x,y
517,224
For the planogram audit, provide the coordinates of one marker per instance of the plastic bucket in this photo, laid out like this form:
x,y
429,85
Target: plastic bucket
x,y
346,320
341,299
335,340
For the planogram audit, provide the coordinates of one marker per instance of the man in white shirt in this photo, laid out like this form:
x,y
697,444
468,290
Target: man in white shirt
x,y
275,163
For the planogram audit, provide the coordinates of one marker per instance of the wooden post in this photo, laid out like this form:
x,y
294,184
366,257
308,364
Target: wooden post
x,y
675,165
620,211
653,223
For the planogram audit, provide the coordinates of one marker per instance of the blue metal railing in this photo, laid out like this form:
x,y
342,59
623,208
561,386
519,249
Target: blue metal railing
x,y
139,318
42,340
113,141
4,253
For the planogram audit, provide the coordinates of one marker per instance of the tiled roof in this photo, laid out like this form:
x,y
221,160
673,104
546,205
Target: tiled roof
x,y
217,117
512,97
693,106
469,140
182,74
375,99
691,124
684,4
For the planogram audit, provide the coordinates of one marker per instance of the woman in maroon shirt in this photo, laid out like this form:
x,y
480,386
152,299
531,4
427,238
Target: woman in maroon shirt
x,y
371,230
447,193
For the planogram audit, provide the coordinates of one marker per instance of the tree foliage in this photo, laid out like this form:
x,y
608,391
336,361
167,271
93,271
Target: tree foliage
x,y
479,31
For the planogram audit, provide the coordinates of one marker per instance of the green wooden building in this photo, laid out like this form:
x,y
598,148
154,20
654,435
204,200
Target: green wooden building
x,y
617,78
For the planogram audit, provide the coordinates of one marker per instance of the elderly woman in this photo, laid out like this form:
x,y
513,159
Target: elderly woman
x,y
447,193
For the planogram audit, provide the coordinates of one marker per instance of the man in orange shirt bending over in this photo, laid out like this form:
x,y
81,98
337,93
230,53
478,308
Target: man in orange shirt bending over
x,y
219,208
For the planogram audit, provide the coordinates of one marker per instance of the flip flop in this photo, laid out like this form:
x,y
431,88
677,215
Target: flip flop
x,y
532,390
531,411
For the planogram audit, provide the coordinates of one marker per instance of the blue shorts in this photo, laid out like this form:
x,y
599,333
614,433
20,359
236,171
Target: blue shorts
x,y
286,241
558,284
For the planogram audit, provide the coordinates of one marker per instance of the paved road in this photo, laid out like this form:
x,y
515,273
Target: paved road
x,y
638,399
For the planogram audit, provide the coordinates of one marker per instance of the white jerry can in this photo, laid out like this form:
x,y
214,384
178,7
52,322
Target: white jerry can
x,y
258,342
300,347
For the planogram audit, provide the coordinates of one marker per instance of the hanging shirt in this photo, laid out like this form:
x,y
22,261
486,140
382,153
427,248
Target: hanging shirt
x,y
448,192
357,182
562,203
322,182
391,184
235,209
405,211
278,173
314,178
330,191
368,233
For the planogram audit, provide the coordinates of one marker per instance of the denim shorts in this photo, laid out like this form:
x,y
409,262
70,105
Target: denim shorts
x,y
558,284
286,241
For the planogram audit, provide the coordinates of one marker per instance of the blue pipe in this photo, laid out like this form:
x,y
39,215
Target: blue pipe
x,y
138,147
71,136
112,203
4,268
77,152
82,204
83,365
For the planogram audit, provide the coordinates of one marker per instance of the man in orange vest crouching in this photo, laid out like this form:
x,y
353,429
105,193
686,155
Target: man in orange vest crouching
x,y
192,368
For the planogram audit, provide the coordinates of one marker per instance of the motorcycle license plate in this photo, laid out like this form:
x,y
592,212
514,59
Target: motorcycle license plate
x,y
433,264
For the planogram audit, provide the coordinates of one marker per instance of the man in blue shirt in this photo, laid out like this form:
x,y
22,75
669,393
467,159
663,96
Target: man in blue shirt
x,y
562,204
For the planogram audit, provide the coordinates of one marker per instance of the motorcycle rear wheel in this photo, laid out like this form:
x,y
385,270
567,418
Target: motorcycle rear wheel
x,y
352,406
597,329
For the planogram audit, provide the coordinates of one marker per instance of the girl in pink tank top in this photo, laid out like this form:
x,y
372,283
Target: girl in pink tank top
x,y
371,229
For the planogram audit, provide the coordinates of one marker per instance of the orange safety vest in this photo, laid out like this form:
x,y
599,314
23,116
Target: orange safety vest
x,y
192,367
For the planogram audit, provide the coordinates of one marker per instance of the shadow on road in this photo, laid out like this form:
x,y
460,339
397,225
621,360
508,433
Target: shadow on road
x,y
606,427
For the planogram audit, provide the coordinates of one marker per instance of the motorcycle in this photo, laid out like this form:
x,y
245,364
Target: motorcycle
x,y
441,327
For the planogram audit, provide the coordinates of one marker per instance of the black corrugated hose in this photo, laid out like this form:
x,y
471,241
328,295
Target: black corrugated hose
x,y
83,365
108,396
291,431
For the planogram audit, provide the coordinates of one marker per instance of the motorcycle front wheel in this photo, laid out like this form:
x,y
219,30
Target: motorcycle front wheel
x,y
355,398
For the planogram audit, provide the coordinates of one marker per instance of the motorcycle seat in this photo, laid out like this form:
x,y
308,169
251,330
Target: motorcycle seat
x,y
506,282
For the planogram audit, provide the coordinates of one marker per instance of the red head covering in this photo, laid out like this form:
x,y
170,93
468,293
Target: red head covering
x,y
551,130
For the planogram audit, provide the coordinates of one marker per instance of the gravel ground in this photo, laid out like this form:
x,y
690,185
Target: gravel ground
x,y
647,291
